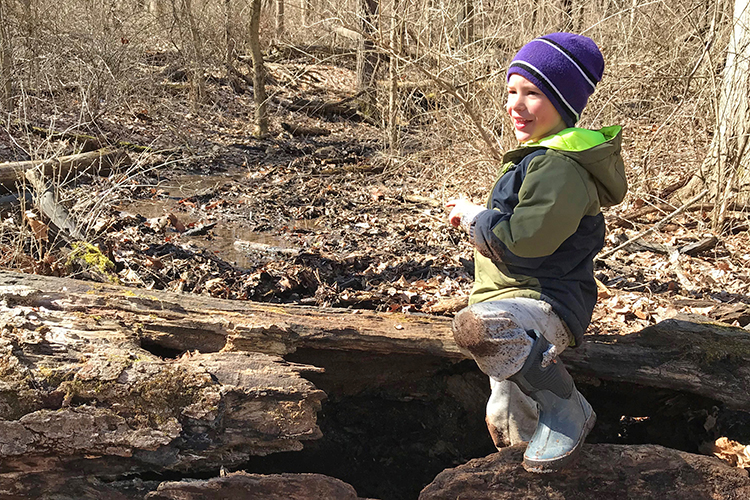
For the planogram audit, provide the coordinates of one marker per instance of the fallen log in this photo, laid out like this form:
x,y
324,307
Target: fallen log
x,y
100,162
708,359
82,398
603,471
303,131
184,322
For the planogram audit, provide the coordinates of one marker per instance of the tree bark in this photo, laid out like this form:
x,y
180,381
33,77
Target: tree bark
x,y
259,86
464,23
6,58
242,485
306,10
708,359
279,19
395,39
197,82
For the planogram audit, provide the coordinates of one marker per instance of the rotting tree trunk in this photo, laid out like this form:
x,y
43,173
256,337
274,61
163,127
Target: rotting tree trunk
x,y
186,322
726,168
82,397
706,359
259,87
101,162
241,485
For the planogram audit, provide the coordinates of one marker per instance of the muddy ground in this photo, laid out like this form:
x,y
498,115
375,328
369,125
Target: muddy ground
x,y
323,217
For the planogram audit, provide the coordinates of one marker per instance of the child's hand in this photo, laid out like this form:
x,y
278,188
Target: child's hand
x,y
459,207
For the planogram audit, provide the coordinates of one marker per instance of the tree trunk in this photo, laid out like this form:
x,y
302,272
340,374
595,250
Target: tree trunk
x,y
367,57
395,42
725,169
464,23
231,42
85,398
197,82
259,86
6,59
241,485
306,10
279,19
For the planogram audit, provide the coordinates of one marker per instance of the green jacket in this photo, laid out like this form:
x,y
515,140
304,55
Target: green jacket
x,y
544,225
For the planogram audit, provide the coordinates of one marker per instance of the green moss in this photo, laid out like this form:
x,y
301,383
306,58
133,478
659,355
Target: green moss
x,y
715,351
150,403
89,257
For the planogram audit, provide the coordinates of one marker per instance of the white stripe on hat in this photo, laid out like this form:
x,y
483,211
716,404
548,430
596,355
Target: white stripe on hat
x,y
552,85
593,85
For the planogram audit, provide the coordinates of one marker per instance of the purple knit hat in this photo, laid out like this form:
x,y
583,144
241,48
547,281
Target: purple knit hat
x,y
565,67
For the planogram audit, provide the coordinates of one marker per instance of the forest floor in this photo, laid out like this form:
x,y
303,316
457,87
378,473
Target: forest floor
x,y
317,214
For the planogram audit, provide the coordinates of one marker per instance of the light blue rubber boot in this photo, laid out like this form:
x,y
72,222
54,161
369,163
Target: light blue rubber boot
x,y
565,417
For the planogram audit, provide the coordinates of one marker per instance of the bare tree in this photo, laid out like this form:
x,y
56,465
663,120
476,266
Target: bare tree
x,y
279,19
6,58
259,87
395,42
367,56
197,83
725,169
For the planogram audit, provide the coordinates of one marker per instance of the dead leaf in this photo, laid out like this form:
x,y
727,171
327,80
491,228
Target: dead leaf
x,y
39,228
602,290
176,224
732,452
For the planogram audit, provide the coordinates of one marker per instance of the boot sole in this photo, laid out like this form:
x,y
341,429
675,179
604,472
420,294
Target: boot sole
x,y
555,465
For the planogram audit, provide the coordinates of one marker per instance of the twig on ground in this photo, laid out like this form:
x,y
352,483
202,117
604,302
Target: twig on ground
x,y
656,226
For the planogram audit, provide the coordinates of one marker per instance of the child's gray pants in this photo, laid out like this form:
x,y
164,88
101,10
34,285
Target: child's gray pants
x,y
495,335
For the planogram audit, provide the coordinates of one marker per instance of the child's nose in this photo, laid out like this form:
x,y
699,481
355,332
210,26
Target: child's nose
x,y
516,103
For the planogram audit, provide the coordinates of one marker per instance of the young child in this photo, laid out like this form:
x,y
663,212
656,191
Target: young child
x,y
535,240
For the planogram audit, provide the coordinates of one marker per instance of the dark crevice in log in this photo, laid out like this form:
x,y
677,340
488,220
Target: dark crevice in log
x,y
636,414
160,350
390,422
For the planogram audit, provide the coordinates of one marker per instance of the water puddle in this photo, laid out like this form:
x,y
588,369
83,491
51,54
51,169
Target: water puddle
x,y
228,240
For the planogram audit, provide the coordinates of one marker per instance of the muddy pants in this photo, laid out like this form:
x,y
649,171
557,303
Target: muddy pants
x,y
494,333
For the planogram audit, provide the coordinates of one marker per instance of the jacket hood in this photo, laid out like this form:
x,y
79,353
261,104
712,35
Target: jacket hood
x,y
598,151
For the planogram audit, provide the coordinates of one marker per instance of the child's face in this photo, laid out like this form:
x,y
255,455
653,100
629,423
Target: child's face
x,y
533,115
